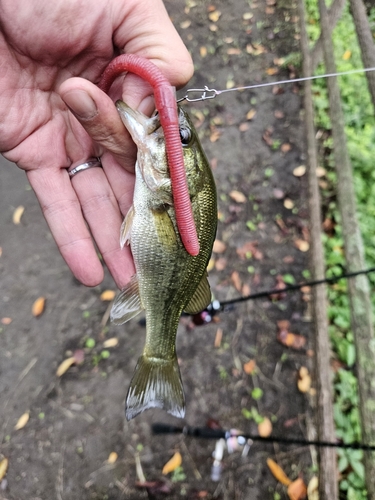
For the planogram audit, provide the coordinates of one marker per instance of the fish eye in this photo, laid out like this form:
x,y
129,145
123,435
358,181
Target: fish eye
x,y
185,135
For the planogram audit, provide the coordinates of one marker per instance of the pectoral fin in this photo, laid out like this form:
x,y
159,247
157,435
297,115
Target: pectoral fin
x,y
127,304
126,227
164,228
201,298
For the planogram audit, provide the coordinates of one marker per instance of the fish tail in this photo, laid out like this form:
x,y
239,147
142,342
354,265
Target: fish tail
x,y
156,383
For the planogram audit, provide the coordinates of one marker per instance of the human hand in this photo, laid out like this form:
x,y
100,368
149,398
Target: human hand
x,y
52,64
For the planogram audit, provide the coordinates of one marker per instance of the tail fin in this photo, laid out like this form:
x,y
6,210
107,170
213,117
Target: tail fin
x,y
156,383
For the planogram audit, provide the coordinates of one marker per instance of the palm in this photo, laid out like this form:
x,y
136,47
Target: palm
x,y
44,46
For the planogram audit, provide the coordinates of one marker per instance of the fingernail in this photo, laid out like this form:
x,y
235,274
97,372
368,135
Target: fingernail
x,y
81,104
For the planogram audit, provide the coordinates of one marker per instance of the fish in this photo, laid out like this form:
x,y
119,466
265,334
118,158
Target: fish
x,y
168,280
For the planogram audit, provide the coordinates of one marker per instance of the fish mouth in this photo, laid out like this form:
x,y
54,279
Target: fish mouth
x,y
138,125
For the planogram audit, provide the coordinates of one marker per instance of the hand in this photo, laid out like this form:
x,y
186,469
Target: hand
x,y
54,64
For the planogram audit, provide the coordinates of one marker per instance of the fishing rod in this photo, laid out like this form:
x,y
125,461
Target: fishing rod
x,y
242,438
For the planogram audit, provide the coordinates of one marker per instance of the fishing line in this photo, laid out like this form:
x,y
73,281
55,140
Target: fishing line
x,y
207,93
289,288
208,433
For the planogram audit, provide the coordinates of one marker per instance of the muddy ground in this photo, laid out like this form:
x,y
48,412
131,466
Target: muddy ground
x,y
78,420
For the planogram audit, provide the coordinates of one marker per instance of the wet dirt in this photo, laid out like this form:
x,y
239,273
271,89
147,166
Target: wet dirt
x,y
78,420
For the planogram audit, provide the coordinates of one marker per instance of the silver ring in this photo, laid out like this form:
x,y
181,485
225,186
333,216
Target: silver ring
x,y
95,162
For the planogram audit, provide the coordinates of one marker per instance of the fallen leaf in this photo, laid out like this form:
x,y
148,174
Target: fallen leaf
x,y
17,214
320,171
213,27
302,245
230,83
112,342
347,55
304,380
243,127
219,246
251,114
299,171
64,366
247,16
297,490
22,421
203,51
250,366
285,337
221,264
236,280
214,16
278,472
272,71
218,337
112,458
280,285
3,468
249,250
1,251
278,114
233,51
107,295
215,134
173,463
313,489
185,24
210,265
238,196
246,290
155,487
278,193
38,307
6,321
265,427
288,203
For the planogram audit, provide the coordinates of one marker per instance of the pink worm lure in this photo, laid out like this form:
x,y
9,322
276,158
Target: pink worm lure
x,y
165,102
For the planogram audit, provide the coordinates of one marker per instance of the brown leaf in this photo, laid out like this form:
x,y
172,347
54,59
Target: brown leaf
x,y
38,307
304,380
246,290
237,196
3,468
112,342
278,472
302,245
299,171
250,366
288,203
297,490
214,16
278,114
155,487
249,250
173,463
251,114
280,285
6,321
272,71
236,280
185,24
233,51
64,366
221,264
17,214
215,134
243,127
112,458
219,246
203,51
22,421
265,427
218,337
107,295
247,16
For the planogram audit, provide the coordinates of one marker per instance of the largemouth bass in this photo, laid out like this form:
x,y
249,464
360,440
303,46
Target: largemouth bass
x,y
168,280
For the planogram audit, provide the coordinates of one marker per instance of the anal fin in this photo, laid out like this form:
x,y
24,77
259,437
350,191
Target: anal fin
x,y
201,298
156,383
127,304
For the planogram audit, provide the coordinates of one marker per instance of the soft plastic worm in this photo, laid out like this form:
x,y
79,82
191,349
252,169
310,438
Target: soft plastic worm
x,y
165,102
